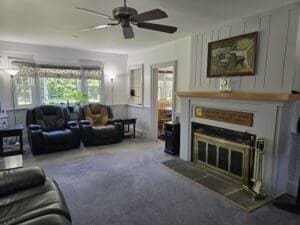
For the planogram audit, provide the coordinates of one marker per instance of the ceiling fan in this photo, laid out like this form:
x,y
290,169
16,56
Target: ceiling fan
x,y
127,16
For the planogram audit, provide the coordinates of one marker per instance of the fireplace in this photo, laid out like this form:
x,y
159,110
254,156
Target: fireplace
x,y
231,153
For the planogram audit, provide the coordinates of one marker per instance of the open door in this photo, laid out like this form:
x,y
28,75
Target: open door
x,y
163,92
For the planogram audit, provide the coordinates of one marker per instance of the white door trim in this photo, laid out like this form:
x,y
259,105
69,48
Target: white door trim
x,y
153,81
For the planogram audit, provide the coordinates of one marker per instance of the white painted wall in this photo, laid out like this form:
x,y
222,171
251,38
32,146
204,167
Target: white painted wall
x,y
176,50
296,81
114,64
276,52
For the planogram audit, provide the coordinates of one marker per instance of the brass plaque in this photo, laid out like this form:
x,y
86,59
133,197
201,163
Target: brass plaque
x,y
227,116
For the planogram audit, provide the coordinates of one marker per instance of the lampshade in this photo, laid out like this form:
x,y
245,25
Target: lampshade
x,y
12,72
111,76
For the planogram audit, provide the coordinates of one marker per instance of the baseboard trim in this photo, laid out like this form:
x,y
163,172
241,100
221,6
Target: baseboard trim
x,y
144,133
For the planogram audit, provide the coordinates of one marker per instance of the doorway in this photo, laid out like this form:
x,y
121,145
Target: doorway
x,y
163,77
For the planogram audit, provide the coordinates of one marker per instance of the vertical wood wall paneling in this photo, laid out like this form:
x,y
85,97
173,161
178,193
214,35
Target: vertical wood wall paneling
x,y
289,65
262,54
207,37
276,50
193,61
224,33
213,81
199,68
275,64
251,25
237,29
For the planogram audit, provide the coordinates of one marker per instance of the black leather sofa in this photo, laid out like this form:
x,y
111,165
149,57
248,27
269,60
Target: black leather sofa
x,y
49,131
28,197
93,135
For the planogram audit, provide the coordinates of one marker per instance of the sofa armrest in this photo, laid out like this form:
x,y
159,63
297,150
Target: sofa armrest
x,y
86,129
85,123
33,127
76,134
12,181
72,123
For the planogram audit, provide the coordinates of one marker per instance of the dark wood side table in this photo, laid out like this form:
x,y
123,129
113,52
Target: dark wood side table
x,y
126,124
15,148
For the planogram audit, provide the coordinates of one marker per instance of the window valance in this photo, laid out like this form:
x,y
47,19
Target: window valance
x,y
94,73
27,69
55,71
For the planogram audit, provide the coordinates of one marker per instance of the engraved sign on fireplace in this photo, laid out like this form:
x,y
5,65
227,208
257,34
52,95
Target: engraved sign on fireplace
x,y
234,117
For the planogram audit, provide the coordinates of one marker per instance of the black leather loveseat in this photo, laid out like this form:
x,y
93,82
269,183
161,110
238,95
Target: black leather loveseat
x,y
97,134
28,197
49,131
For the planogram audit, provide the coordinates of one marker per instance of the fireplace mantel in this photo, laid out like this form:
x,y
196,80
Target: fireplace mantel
x,y
242,96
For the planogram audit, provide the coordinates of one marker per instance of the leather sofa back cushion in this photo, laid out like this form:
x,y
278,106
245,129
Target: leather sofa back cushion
x,y
12,181
50,117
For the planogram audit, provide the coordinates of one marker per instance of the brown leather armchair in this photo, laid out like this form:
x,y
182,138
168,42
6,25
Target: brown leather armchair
x,y
98,126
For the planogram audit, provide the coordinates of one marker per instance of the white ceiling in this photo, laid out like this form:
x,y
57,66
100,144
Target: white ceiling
x,y
54,22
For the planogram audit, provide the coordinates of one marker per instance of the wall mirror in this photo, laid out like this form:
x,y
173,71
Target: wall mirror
x,y
136,85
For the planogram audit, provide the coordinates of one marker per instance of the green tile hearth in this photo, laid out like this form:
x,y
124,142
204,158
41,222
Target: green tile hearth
x,y
228,190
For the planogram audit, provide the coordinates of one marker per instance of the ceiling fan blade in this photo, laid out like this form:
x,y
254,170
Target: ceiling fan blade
x,y
128,32
96,27
157,27
154,14
95,13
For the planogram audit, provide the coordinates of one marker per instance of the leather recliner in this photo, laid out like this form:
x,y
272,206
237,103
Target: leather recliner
x,y
48,130
28,197
93,134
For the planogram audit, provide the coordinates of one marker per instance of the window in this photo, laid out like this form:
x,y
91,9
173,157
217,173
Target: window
x,y
24,90
24,83
92,77
59,84
59,90
93,87
136,85
56,84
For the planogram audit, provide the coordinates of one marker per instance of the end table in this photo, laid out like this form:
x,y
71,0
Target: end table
x,y
15,148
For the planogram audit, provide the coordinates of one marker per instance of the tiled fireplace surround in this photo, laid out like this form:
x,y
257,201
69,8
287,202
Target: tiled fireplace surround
x,y
273,120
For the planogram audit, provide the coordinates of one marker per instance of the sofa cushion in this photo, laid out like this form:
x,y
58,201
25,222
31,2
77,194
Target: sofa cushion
x,y
31,203
108,131
50,117
97,114
58,137
12,181
47,220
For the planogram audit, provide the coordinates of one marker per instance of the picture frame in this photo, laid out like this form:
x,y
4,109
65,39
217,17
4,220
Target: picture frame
x,y
234,56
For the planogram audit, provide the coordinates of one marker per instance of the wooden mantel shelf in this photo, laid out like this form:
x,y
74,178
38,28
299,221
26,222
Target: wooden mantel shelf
x,y
242,96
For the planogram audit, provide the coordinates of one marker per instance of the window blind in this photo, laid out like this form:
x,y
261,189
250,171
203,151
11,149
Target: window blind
x,y
59,72
26,69
94,73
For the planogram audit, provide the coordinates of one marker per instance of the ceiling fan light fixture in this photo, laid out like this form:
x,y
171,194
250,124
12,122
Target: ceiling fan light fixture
x,y
127,16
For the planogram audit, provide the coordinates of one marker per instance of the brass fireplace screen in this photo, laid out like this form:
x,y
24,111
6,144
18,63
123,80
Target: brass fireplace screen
x,y
230,158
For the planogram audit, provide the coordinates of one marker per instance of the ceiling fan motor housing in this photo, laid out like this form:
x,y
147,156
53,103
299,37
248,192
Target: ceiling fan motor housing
x,y
123,14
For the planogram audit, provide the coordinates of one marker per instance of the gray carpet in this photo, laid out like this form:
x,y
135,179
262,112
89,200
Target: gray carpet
x,y
126,184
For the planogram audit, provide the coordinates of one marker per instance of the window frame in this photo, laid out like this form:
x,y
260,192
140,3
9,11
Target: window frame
x,y
36,87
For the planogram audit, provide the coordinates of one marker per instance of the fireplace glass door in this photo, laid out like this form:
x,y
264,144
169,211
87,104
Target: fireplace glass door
x,y
227,157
